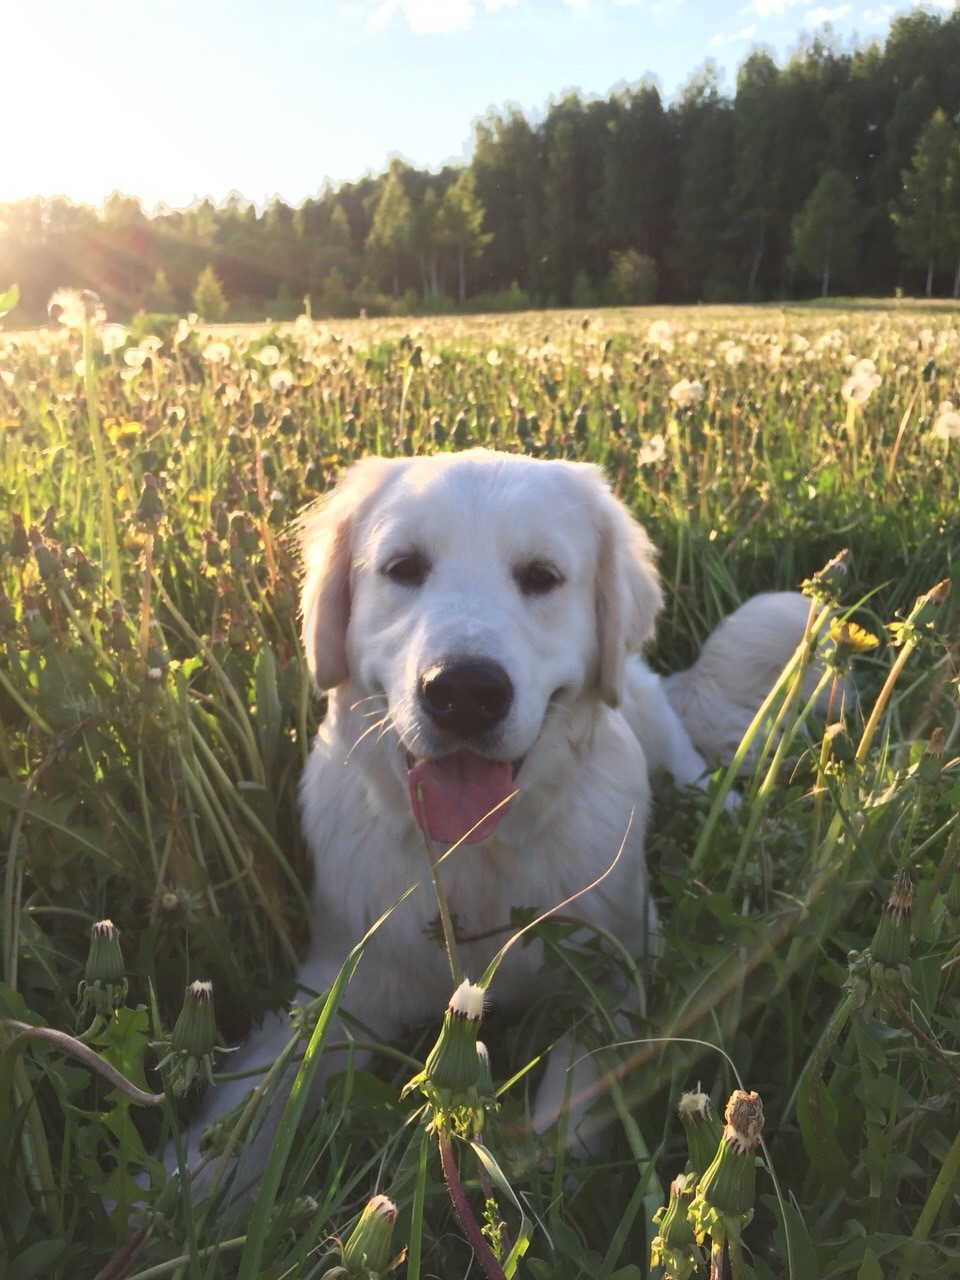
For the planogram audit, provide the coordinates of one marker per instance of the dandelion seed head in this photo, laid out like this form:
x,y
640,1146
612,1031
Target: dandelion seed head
x,y
281,380
112,337
947,425
685,393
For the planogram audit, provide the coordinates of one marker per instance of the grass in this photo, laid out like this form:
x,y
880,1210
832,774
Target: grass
x,y
155,715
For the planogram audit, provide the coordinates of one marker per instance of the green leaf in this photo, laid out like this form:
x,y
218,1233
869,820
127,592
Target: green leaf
x,y
269,714
870,1268
37,1260
792,1230
9,299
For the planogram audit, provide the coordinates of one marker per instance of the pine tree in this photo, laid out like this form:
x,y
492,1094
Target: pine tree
x,y
826,231
391,233
208,299
927,213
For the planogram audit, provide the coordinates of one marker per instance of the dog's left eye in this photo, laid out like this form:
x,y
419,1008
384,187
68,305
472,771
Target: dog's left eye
x,y
537,577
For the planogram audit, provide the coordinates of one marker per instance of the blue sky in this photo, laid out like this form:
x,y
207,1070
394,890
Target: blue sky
x,y
174,100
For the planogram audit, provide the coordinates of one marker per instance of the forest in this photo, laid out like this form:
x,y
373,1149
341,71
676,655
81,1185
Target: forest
x,y
836,173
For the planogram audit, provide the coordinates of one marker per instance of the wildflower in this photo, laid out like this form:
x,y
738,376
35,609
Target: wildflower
x,y
660,334
891,942
947,424
733,356
703,1129
268,356
73,309
849,638
930,765
652,450
862,382
216,352
193,1042
451,1072
724,1199
134,358
685,394
104,985
493,357
281,380
367,1252
825,584
674,1248
112,337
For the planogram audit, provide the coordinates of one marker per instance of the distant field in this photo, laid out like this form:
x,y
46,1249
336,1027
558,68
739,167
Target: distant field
x,y
155,715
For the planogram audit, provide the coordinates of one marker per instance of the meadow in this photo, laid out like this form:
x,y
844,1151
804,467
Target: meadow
x,y
155,714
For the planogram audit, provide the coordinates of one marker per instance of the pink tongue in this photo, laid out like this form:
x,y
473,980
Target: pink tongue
x,y
456,793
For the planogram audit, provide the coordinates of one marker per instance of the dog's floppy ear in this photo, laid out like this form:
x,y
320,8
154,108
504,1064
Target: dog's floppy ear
x,y
628,592
326,534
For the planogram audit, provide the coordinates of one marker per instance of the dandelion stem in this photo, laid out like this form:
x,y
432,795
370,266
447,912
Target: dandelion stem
x,y
491,1268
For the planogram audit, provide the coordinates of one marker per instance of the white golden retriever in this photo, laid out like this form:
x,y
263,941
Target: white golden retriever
x,y
477,619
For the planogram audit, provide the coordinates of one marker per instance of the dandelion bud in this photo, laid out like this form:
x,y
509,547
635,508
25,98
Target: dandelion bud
x,y
702,1127
723,1204
891,942
19,545
452,1072
104,985
453,1063
367,1252
824,586
195,1031
149,508
674,1248
191,1046
931,762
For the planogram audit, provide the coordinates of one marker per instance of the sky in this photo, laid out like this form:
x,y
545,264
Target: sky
x,y
172,101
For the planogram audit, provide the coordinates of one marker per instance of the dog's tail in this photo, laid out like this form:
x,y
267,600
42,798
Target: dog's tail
x,y
741,661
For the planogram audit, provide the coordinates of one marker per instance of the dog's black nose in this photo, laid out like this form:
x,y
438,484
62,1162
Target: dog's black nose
x,y
467,696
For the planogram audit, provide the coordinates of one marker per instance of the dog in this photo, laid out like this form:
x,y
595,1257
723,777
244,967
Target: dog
x,y
477,620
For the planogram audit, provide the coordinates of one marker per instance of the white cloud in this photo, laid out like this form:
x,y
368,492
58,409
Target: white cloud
x,y
770,8
428,17
817,17
745,33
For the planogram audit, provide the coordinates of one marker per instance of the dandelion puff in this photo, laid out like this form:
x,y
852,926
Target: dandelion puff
x,y
268,356
72,308
862,383
134,358
660,334
947,425
281,380
216,352
733,356
685,393
652,450
112,337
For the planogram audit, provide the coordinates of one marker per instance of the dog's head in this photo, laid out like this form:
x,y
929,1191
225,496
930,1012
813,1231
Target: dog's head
x,y
471,598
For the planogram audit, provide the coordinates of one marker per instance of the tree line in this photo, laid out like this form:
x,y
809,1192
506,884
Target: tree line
x,y
838,171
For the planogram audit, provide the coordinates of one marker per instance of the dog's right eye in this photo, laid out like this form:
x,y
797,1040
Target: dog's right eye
x,y
407,570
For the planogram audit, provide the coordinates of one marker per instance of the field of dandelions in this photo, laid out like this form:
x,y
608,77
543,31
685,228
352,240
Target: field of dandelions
x,y
787,1105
